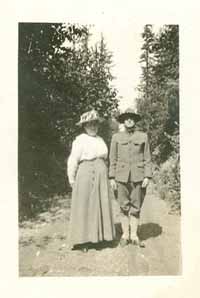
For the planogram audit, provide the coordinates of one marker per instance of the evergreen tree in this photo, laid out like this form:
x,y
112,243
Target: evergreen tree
x,y
159,89
159,104
60,77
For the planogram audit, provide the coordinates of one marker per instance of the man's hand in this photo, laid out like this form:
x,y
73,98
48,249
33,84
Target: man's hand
x,y
113,184
72,184
145,182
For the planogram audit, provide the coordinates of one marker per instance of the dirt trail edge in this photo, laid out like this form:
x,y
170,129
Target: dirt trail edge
x,y
43,245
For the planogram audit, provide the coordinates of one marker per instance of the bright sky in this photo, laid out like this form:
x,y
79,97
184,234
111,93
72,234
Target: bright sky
x,y
124,41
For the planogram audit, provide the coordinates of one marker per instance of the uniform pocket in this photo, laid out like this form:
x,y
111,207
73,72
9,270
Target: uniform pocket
x,y
122,149
138,143
140,165
123,143
120,167
138,146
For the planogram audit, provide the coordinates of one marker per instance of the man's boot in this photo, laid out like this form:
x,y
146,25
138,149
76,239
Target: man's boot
x,y
125,229
134,226
133,233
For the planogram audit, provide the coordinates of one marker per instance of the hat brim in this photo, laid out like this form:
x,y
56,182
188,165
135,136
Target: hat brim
x,y
100,120
121,118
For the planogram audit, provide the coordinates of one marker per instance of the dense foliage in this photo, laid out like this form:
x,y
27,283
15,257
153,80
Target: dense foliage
x,y
60,77
158,102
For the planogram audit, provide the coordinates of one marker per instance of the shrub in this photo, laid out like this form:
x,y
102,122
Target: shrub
x,y
167,179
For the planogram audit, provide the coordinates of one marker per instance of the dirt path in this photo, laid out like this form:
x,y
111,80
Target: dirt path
x,y
43,246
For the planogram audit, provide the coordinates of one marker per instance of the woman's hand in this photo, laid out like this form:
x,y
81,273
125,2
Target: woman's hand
x,y
113,184
72,184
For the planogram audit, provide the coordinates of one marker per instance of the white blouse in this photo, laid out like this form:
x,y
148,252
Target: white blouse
x,y
85,147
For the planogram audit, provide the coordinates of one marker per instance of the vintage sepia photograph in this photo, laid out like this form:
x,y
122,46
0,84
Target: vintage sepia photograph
x,y
98,150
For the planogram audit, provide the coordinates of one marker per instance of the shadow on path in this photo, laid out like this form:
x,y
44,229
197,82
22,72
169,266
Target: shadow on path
x,y
149,230
145,231
107,244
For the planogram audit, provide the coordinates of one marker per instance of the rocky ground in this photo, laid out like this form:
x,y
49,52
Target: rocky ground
x,y
43,245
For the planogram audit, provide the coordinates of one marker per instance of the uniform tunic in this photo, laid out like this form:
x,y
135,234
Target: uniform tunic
x,y
130,158
91,217
130,163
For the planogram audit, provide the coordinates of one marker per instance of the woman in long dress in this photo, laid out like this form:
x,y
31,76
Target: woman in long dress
x,y
91,219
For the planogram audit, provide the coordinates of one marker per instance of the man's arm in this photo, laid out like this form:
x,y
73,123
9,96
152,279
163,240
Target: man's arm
x,y
147,159
147,164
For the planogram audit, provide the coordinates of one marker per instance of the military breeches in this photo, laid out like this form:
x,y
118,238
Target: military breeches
x,y
130,196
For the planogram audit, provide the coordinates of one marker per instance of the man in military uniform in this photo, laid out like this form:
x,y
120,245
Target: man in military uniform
x,y
129,173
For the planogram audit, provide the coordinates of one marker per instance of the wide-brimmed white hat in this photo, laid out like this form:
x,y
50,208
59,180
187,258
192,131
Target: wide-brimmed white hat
x,y
89,116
